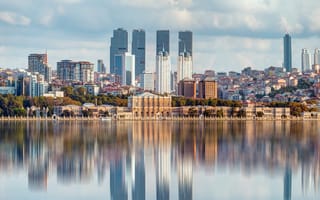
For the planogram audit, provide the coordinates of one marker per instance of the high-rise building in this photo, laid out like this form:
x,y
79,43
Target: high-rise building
x,y
39,63
208,88
139,50
101,68
184,69
119,45
147,81
287,53
125,67
163,41
69,70
187,88
163,73
317,56
305,61
185,42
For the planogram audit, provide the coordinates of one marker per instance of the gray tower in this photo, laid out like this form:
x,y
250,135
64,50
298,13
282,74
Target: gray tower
x,y
139,50
287,53
163,41
185,42
119,45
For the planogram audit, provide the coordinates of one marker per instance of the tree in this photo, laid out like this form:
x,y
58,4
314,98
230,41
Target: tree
x,y
259,114
241,113
220,113
192,111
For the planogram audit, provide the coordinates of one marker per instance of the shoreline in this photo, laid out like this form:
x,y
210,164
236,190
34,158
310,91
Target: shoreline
x,y
154,119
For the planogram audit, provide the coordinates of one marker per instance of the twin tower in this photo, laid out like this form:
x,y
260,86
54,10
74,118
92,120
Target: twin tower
x,y
130,67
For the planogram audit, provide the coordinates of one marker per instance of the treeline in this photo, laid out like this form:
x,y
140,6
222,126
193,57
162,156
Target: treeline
x,y
183,101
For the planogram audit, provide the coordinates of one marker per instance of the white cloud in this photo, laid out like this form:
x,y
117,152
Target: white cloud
x,y
14,18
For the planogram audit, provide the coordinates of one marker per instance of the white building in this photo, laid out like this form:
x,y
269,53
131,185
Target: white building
x,y
317,56
305,61
184,66
163,73
147,81
128,72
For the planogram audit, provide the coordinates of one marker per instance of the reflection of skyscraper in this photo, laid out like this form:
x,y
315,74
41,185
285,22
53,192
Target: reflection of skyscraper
x,y
287,183
139,187
185,178
117,180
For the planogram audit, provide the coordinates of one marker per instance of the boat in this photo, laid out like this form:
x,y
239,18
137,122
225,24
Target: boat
x,y
105,118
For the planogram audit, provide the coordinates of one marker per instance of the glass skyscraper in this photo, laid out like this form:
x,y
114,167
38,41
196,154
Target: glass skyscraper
x,y
287,53
119,45
139,50
185,42
163,41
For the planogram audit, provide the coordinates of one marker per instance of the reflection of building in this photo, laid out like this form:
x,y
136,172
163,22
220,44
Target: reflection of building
x,y
287,183
149,105
139,182
118,187
185,178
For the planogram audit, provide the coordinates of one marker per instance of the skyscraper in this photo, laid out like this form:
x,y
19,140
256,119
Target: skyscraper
x,y
287,53
305,61
317,56
119,45
185,42
139,50
163,41
101,68
125,67
39,63
163,71
184,69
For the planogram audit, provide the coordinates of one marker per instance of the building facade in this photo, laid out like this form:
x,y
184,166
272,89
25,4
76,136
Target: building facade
x,y
184,69
149,105
125,68
187,88
185,42
39,63
139,51
119,45
287,53
163,41
208,89
305,61
147,81
68,70
163,73
101,68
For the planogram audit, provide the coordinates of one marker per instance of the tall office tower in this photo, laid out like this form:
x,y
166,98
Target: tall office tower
x,y
139,50
185,42
163,41
39,63
68,70
305,61
101,68
119,45
125,67
287,53
317,56
163,71
184,66
208,88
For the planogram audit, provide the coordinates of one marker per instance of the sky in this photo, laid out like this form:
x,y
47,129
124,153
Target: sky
x,y
228,35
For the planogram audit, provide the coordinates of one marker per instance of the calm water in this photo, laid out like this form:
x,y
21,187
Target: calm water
x,y
159,160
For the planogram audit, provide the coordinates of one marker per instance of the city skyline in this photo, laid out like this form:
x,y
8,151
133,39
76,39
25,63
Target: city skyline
x,y
250,32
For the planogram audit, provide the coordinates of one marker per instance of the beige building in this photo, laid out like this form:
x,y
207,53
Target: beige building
x,y
208,89
150,105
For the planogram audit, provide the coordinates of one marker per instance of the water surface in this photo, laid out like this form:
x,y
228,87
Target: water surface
x,y
159,160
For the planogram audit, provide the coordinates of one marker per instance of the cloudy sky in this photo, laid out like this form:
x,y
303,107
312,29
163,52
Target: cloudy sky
x,y
228,34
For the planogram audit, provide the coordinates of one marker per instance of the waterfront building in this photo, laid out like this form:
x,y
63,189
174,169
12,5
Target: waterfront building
x,y
149,105
139,51
101,68
208,88
305,61
187,88
163,73
147,81
163,41
69,70
119,45
39,63
287,53
185,42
